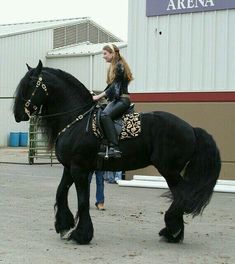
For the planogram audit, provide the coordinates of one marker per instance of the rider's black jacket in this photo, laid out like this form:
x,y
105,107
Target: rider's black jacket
x,y
119,85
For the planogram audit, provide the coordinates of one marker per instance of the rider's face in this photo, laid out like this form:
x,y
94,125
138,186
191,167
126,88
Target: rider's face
x,y
108,56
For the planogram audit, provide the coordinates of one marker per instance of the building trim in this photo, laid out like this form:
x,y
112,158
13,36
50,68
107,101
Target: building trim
x,y
184,97
61,52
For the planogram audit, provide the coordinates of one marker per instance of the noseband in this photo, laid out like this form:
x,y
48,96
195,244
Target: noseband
x,y
28,103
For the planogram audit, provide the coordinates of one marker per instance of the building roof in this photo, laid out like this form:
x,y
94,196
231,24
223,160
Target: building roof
x,y
18,28
82,49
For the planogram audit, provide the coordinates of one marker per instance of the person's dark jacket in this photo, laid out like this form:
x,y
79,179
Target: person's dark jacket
x,y
119,85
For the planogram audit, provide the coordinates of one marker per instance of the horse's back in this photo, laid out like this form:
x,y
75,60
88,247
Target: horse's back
x,y
165,121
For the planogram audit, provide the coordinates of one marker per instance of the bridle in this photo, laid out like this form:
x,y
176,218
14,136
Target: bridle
x,y
28,103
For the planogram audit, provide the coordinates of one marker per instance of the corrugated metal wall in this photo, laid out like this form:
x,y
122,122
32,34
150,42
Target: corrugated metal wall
x,y
15,51
185,52
77,66
81,32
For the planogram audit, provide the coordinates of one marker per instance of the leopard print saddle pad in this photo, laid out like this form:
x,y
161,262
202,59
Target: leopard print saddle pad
x,y
128,126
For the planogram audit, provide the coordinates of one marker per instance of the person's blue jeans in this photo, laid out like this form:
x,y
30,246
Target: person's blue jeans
x,y
99,175
114,176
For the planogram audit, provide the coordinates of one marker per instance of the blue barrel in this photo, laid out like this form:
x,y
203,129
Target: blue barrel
x,y
14,139
23,139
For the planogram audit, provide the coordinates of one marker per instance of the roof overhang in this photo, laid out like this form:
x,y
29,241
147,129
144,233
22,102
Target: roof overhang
x,y
84,49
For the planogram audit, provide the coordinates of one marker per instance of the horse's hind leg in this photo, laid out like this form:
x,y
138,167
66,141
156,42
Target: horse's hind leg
x,y
174,230
83,232
64,219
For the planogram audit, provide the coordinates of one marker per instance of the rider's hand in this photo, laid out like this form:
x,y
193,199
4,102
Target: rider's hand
x,y
99,96
96,97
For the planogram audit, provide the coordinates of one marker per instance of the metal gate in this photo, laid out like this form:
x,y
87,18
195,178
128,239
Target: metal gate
x,y
38,144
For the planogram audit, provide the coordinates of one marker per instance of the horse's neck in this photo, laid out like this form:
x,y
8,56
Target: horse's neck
x,y
66,107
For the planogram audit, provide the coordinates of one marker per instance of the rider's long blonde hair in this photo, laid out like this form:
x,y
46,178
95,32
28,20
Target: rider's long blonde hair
x,y
116,58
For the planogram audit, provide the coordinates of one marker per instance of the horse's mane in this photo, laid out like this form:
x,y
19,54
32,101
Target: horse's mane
x,y
71,80
48,125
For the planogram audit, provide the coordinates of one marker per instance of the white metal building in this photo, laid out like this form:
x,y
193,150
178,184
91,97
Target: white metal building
x,y
68,44
181,52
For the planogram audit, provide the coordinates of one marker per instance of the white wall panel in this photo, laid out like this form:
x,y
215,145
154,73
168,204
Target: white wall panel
x,y
15,51
8,123
231,52
77,66
184,52
99,73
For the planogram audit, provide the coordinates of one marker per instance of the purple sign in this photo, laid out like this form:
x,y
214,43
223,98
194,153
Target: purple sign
x,y
170,7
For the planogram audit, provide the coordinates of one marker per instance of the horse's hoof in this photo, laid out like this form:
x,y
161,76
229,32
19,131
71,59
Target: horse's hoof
x,y
172,238
80,237
65,234
163,232
65,223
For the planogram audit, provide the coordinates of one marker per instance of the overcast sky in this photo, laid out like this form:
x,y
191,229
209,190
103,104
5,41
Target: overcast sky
x,y
110,14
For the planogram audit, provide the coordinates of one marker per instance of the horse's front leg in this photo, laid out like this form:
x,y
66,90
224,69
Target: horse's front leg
x,y
83,231
64,219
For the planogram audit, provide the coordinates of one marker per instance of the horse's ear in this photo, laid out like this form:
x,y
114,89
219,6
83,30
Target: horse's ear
x,y
29,68
39,67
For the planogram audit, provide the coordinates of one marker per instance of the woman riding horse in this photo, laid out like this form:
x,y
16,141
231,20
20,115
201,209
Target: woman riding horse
x,y
118,78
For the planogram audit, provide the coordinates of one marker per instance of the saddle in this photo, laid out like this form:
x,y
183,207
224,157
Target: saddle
x,y
127,126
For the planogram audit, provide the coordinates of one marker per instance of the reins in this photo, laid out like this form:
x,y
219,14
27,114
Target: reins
x,y
61,113
78,118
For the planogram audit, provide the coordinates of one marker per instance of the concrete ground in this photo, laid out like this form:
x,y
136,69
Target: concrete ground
x,y
127,232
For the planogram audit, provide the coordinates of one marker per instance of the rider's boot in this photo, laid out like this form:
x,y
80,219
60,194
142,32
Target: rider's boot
x,y
111,135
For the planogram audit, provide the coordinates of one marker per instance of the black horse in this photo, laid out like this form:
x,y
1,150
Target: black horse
x,y
166,142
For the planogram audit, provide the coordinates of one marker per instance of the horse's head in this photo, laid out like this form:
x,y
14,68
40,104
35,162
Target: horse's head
x,y
31,94
49,91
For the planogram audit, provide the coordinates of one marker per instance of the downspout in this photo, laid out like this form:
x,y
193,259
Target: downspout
x,y
91,72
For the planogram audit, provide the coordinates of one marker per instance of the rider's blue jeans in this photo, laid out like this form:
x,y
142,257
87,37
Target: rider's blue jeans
x,y
99,185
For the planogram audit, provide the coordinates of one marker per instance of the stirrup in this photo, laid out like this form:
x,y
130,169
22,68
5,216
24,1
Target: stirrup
x,y
110,152
114,152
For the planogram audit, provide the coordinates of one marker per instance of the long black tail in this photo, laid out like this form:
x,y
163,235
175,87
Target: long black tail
x,y
193,194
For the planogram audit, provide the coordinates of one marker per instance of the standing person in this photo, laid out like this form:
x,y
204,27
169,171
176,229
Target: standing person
x,y
118,77
99,175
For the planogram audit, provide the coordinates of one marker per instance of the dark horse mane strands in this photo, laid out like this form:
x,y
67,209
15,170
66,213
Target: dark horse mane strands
x,y
18,94
71,81
70,85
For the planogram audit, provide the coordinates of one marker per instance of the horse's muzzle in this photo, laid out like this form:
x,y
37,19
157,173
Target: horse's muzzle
x,y
20,118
